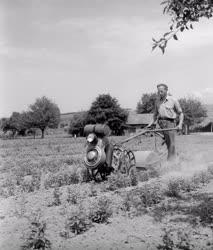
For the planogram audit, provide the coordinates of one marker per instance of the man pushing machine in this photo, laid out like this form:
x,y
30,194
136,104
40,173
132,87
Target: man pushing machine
x,y
166,111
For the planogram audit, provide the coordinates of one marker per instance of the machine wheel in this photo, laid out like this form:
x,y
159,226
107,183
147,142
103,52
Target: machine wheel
x,y
116,158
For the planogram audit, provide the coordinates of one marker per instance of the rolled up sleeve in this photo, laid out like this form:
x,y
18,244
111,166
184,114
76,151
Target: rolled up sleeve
x,y
177,107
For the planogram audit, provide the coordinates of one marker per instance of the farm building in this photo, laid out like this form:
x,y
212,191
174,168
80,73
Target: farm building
x,y
137,121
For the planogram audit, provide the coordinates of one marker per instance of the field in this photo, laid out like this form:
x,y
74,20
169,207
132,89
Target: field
x,y
48,202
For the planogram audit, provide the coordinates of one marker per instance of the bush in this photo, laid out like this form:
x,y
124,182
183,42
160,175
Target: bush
x,y
117,180
143,176
173,188
204,211
62,178
176,239
100,211
36,238
137,201
56,197
77,223
72,195
133,177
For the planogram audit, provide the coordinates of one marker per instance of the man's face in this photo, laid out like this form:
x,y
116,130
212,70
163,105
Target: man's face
x,y
162,91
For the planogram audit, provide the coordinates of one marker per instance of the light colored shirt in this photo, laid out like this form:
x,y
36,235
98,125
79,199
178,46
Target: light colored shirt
x,y
167,108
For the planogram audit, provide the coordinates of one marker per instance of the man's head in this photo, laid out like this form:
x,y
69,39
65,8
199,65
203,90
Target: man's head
x,y
162,90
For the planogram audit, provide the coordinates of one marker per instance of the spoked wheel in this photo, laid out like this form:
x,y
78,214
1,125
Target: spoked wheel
x,y
123,160
132,160
116,158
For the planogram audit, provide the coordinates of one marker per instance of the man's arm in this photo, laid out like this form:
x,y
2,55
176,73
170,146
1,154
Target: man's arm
x,y
180,112
155,117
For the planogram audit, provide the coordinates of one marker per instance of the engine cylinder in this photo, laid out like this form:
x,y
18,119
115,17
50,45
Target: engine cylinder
x,y
99,129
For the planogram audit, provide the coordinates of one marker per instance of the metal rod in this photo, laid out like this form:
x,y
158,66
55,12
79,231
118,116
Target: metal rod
x,y
147,131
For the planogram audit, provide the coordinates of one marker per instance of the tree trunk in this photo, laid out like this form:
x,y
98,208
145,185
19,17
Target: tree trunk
x,y
42,133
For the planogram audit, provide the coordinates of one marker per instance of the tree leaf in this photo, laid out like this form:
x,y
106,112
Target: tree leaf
x,y
175,37
166,34
154,46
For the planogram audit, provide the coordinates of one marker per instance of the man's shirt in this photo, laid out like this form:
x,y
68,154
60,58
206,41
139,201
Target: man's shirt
x,y
167,108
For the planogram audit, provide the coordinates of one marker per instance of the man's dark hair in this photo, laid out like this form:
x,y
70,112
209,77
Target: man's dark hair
x,y
162,85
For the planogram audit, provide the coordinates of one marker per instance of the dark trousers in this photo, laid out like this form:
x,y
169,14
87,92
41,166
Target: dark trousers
x,y
108,151
169,137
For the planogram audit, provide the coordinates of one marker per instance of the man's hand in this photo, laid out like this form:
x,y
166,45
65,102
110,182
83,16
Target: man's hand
x,y
179,127
151,126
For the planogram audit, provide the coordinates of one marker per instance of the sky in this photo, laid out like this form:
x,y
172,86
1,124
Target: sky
x,y
73,50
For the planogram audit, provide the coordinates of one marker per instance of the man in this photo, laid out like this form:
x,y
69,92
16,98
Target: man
x,y
165,114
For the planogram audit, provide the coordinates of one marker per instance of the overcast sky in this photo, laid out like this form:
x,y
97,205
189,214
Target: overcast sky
x,y
73,50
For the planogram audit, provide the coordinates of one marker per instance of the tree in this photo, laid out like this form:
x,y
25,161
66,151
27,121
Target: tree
x,y
147,103
15,124
106,109
77,124
183,14
193,109
43,114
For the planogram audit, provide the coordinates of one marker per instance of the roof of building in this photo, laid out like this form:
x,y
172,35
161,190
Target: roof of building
x,y
138,119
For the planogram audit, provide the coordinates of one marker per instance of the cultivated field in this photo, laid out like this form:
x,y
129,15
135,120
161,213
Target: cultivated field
x,y
47,202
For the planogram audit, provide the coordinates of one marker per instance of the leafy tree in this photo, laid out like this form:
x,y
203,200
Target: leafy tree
x,y
106,109
42,114
15,124
183,14
77,124
194,111
147,103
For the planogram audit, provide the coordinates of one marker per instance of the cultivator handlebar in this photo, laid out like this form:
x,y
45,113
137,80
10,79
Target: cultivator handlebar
x,y
144,132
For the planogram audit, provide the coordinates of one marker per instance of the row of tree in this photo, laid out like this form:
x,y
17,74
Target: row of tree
x,y
40,115
105,109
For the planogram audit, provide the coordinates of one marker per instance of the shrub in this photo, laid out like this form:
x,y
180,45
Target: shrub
x,y
30,183
116,181
92,190
176,239
100,211
143,176
137,201
77,223
168,243
56,197
133,177
8,187
36,238
72,195
61,178
204,211
187,185
173,188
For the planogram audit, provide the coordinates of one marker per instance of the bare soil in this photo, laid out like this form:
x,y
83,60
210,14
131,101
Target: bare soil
x,y
195,154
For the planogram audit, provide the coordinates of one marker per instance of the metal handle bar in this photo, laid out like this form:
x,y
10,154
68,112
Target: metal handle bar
x,y
146,131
